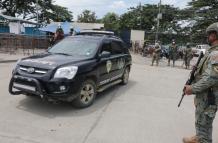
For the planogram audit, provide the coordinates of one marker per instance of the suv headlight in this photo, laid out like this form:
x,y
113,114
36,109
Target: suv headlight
x,y
15,66
66,72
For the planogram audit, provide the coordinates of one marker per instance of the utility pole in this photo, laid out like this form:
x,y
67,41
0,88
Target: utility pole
x,y
140,6
159,16
37,11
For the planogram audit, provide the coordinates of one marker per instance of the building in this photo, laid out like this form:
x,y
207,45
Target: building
x,y
9,24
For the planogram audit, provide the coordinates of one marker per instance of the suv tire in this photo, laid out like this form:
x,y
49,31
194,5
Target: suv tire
x,y
86,95
125,77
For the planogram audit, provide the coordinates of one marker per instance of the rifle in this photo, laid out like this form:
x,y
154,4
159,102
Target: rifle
x,y
192,76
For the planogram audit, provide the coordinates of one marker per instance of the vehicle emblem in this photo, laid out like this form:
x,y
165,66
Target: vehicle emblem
x,y
109,66
30,70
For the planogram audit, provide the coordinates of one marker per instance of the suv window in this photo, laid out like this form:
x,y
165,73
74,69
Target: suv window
x,y
76,47
106,47
116,48
125,47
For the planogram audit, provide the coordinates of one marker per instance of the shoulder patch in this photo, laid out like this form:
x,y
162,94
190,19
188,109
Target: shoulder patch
x,y
108,66
215,68
214,57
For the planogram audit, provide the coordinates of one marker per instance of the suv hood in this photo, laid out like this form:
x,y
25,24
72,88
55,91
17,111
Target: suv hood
x,y
50,61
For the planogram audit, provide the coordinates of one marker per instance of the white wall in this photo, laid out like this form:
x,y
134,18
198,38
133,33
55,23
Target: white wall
x,y
138,35
15,27
84,26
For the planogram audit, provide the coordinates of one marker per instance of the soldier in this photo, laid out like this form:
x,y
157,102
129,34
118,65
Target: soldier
x,y
156,54
187,55
205,87
172,53
59,35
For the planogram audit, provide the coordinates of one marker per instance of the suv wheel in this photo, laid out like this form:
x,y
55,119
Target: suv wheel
x,y
86,95
125,77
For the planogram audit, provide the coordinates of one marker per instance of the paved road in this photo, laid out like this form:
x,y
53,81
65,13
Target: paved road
x,y
144,111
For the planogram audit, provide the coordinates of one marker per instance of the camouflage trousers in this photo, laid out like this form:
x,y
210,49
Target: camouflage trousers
x,y
187,62
173,58
204,116
155,57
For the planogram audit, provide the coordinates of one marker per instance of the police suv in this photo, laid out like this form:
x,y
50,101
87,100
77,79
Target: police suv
x,y
73,70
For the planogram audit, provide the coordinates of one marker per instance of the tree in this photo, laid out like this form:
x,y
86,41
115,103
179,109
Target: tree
x,y
28,10
144,17
111,21
204,13
13,7
87,16
55,13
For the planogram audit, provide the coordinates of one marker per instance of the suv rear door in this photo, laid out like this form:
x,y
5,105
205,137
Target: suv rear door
x,y
118,54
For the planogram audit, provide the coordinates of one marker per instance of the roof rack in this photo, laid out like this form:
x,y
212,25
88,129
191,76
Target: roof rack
x,y
105,34
94,32
113,36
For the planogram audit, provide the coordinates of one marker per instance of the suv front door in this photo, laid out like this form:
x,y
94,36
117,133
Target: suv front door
x,y
106,63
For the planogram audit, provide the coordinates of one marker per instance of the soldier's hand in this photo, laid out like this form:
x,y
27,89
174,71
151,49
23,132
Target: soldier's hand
x,y
188,90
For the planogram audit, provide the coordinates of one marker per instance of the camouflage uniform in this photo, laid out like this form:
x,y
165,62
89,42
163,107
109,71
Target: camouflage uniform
x,y
172,54
156,54
206,78
188,56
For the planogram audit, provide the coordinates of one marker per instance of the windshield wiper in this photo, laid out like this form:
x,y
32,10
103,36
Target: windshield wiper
x,y
62,54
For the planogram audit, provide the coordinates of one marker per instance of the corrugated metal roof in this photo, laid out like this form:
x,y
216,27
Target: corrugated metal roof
x,y
10,18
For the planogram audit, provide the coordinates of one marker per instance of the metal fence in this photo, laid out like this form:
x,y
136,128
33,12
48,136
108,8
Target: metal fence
x,y
11,43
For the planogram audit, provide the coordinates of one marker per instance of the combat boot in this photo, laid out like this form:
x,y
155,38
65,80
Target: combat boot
x,y
193,139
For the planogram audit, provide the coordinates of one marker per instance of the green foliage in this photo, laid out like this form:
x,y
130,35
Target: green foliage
x,y
111,21
205,13
28,10
12,7
87,16
59,14
144,18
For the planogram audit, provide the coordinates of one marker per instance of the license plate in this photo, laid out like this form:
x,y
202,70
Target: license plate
x,y
31,88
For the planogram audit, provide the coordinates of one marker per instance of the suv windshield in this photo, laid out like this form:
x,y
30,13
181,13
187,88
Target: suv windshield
x,y
76,47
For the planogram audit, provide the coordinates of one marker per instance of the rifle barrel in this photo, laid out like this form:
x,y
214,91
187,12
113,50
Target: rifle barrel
x,y
181,99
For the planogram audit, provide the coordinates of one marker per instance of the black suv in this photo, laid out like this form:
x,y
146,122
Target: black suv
x,y
73,70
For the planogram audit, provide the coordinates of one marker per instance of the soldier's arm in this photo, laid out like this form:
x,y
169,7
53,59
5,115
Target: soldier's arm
x,y
159,49
209,77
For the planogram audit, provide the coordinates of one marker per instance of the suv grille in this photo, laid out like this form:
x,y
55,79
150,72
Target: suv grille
x,y
32,70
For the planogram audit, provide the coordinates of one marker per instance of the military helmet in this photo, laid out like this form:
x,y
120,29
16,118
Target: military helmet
x,y
156,45
59,30
188,45
212,28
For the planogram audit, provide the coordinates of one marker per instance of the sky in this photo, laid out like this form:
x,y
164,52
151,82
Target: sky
x,y
101,7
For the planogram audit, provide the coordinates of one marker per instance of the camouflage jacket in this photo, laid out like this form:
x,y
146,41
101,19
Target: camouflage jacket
x,y
157,50
206,76
173,49
188,53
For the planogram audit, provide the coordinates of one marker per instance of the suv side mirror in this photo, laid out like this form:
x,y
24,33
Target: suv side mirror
x,y
105,54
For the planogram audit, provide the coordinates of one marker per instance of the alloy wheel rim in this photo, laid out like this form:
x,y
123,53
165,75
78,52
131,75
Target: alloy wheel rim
x,y
87,94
